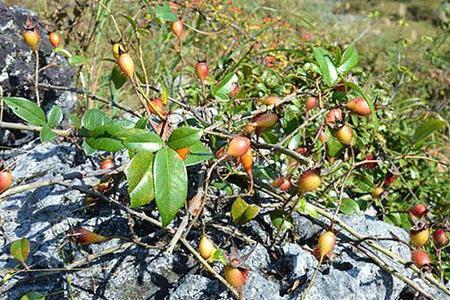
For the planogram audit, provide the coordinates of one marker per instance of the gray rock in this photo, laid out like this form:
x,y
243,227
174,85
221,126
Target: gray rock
x,y
259,285
17,67
351,275
304,228
196,287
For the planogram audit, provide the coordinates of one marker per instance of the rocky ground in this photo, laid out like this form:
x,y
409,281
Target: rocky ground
x,y
128,271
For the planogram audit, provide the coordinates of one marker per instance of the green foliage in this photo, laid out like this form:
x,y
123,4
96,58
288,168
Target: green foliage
x,y
20,249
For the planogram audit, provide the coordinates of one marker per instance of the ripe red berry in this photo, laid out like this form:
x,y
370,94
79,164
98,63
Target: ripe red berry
x,y
369,165
440,238
264,121
55,39
177,28
311,103
157,107
107,164
359,106
389,179
418,210
303,151
234,91
236,277
420,258
126,64
238,146
202,70
247,161
285,184
5,180
333,116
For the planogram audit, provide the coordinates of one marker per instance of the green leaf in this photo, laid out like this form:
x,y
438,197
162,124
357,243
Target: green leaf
x,y
117,77
219,256
75,120
349,60
363,183
426,128
349,206
105,144
333,146
141,123
55,116
223,89
242,212
131,21
281,220
170,183
46,134
164,93
94,118
33,296
77,60
327,68
139,174
305,208
26,110
197,153
140,139
184,137
164,13
20,249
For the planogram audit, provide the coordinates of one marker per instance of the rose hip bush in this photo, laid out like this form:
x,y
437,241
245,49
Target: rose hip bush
x,y
299,118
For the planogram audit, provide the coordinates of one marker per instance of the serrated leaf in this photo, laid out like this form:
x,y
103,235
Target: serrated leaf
x,y
46,134
349,60
197,153
94,118
349,206
33,296
426,128
327,68
26,109
223,89
183,137
140,139
164,13
139,174
170,183
55,116
20,249
242,212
